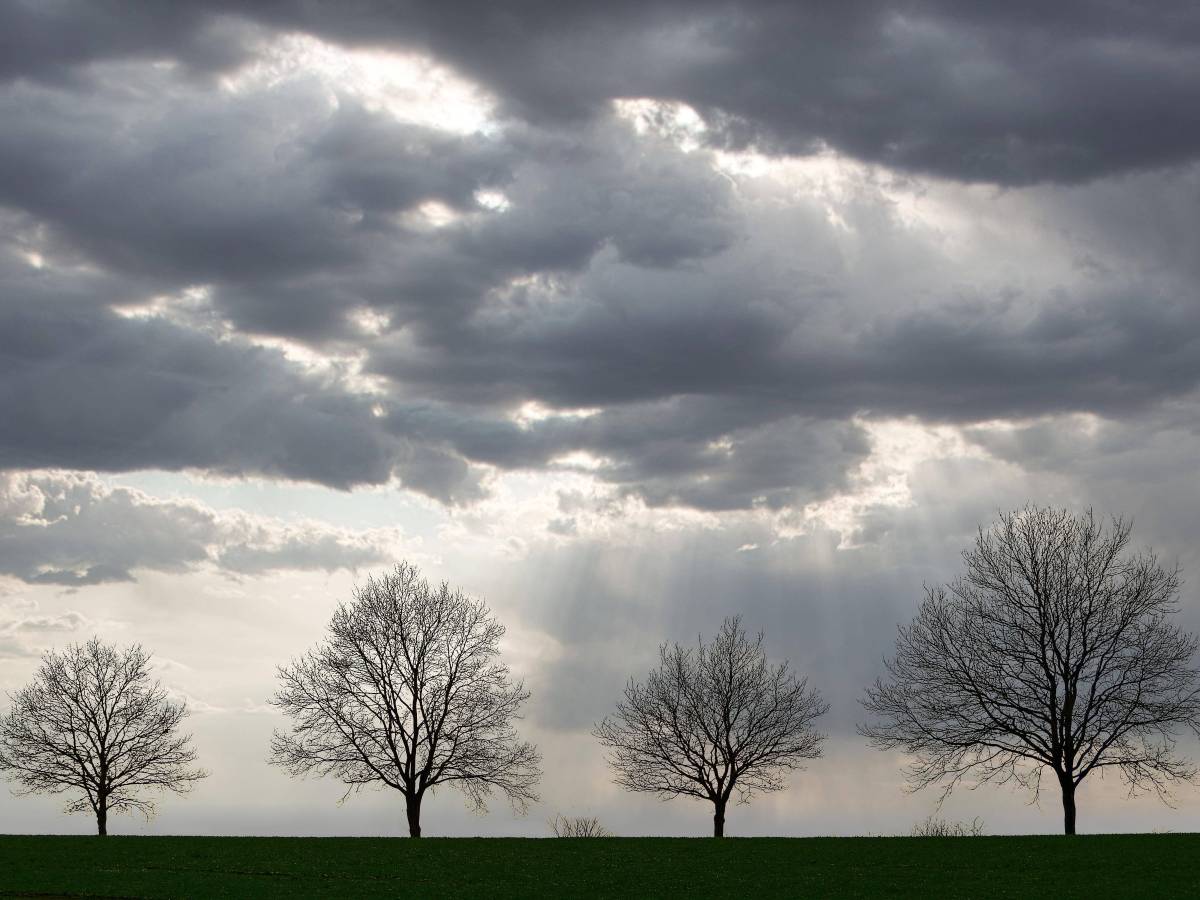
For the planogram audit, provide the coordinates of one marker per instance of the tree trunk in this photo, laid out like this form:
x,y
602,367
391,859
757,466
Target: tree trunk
x,y
102,821
719,819
413,807
1068,798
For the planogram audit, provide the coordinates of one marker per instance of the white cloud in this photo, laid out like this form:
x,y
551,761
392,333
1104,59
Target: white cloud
x,y
410,86
26,630
72,529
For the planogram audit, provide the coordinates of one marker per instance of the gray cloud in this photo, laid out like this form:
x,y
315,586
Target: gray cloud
x,y
718,328
47,42
251,194
87,389
961,361
1014,95
68,529
24,626
84,388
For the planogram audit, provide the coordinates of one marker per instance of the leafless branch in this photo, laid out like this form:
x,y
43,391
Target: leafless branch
x,y
577,827
713,721
407,691
93,725
1054,650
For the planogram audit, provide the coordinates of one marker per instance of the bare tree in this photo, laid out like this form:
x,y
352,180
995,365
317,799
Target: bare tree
x,y
713,720
577,827
1054,651
407,691
93,723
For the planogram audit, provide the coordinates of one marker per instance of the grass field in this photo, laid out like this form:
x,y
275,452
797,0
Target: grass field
x,y
1088,866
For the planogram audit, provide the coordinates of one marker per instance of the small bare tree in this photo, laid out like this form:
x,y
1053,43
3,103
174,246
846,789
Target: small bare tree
x,y
407,691
92,723
577,827
713,720
1055,650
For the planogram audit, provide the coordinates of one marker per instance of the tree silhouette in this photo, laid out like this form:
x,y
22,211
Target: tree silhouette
x,y
1054,651
407,691
711,721
93,723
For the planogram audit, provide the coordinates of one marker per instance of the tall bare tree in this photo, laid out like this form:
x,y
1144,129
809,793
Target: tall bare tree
x,y
1055,650
408,691
93,724
711,721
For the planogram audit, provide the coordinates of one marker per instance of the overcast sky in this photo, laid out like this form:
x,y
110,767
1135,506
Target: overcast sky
x,y
624,320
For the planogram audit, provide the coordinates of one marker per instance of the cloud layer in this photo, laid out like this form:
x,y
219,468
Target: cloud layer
x,y
1015,95
274,274
69,529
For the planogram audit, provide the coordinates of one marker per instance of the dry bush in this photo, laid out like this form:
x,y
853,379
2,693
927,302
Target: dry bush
x,y
935,827
578,827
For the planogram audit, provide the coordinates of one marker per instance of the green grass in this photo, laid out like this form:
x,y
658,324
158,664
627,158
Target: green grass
x,y
1166,865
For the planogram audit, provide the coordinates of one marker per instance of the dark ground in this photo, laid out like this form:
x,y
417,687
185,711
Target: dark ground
x,y
1164,865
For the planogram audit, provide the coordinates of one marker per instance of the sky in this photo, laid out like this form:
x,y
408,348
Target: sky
x,y
622,317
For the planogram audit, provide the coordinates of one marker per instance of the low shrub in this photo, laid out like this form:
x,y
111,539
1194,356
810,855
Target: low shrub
x,y
577,827
935,827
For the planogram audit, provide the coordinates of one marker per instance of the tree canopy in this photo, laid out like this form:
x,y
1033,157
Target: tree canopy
x,y
408,691
93,725
713,721
1055,650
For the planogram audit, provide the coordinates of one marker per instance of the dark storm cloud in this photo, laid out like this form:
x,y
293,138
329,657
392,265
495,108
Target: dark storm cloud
x,y
46,40
253,193
581,190
722,340
288,204
82,387
720,406
1107,353
92,390
723,383
1012,94
707,453
158,205
961,90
